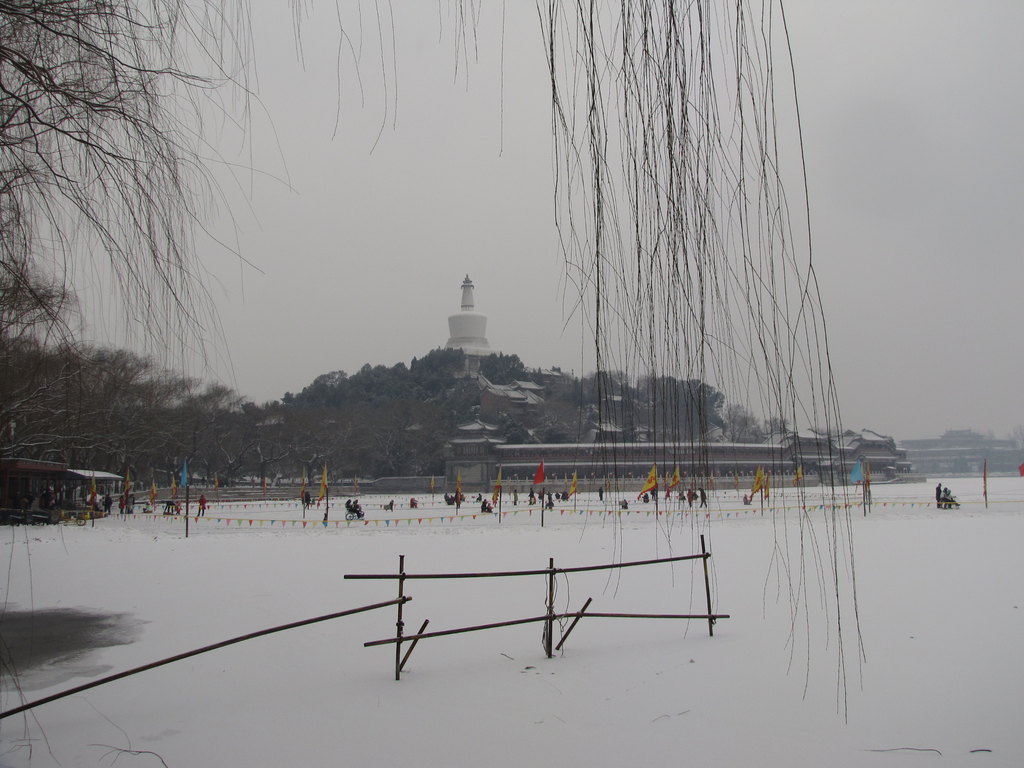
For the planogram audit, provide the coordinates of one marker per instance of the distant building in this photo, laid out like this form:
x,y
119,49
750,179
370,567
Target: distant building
x,y
519,397
471,454
22,479
879,452
468,330
962,452
23,483
477,452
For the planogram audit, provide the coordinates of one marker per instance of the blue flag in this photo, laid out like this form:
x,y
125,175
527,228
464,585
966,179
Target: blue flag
x,y
184,472
857,474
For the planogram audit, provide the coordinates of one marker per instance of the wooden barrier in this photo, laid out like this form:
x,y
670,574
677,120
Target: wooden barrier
x,y
205,649
548,618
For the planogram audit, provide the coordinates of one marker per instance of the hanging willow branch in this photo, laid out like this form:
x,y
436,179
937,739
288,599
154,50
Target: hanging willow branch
x,y
675,125
100,147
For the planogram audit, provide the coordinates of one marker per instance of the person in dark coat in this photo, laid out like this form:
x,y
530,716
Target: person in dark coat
x,y
938,494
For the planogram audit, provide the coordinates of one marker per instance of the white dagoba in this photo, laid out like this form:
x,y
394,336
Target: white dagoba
x,y
468,329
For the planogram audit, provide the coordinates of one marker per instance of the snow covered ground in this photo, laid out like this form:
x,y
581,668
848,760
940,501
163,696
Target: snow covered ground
x,y
939,598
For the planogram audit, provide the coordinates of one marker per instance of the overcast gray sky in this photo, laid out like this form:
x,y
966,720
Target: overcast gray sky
x,y
913,113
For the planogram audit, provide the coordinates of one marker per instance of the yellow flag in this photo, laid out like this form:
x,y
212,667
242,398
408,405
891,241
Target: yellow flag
x,y
675,479
652,480
458,486
152,492
572,488
323,485
497,487
758,481
799,475
767,483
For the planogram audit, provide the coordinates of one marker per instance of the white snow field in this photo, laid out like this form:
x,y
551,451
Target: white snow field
x,y
939,599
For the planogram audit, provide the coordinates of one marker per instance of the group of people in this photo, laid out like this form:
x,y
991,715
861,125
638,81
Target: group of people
x,y
691,496
173,506
44,502
545,498
944,499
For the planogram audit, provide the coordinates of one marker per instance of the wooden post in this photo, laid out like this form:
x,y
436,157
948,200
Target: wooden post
x,y
189,654
549,621
400,625
412,645
574,623
707,587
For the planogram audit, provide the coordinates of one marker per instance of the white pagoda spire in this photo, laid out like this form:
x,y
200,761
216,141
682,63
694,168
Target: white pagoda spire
x,y
468,328
467,295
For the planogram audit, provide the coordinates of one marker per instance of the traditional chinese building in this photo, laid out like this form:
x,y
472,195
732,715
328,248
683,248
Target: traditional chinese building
x,y
962,451
477,452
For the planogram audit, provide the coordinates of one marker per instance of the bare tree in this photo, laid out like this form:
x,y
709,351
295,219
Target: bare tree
x,y
98,149
741,426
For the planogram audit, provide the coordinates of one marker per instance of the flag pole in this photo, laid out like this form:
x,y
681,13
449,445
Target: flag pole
x,y
185,473
867,488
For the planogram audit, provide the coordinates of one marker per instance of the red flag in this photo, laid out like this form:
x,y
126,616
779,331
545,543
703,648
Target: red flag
x,y
539,477
1021,470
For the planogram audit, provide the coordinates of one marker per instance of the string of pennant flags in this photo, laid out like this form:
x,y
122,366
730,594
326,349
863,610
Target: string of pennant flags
x,y
394,522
